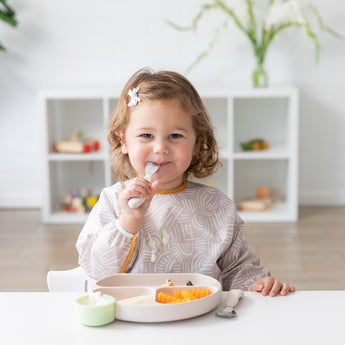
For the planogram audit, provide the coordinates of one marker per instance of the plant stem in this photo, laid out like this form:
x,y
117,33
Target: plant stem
x,y
259,75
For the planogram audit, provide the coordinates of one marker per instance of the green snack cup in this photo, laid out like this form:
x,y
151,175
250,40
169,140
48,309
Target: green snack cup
x,y
98,311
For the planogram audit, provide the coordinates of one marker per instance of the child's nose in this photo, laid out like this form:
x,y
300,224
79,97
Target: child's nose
x,y
160,146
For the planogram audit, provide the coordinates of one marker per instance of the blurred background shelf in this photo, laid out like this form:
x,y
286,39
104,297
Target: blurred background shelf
x,y
278,213
239,115
242,114
77,156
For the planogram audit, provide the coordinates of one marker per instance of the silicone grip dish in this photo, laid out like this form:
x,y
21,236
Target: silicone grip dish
x,y
127,285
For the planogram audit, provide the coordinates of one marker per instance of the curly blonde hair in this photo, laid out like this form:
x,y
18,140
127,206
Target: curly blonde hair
x,y
157,86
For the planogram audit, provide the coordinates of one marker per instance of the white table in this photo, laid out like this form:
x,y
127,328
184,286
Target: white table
x,y
305,317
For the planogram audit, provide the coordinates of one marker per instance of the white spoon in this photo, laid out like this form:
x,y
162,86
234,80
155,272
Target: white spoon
x,y
150,170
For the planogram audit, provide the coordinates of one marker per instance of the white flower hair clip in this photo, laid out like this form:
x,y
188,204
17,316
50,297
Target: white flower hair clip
x,y
134,96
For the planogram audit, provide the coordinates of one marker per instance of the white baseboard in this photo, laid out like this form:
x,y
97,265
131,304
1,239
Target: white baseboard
x,y
21,201
319,197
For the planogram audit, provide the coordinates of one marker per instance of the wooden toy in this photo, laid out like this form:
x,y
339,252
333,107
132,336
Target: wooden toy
x,y
76,144
262,192
264,198
79,201
254,205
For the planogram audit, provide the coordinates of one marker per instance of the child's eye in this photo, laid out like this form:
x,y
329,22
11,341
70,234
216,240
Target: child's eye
x,y
175,136
146,135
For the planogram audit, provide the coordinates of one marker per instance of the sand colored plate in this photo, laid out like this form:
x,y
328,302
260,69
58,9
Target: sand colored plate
x,y
124,286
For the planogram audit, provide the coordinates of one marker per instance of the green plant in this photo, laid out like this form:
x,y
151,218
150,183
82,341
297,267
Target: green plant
x,y
260,27
7,15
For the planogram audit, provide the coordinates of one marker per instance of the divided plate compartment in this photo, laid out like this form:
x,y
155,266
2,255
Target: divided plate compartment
x,y
128,285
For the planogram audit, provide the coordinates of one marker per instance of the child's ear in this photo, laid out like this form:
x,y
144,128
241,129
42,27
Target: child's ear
x,y
124,149
123,142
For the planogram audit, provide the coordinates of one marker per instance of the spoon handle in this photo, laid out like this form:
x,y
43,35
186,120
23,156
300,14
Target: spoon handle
x,y
150,170
135,202
233,297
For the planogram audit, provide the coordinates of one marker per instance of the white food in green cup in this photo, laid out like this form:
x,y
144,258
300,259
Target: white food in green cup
x,y
96,309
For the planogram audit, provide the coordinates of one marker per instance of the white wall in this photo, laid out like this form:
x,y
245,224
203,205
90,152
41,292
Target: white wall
x,y
77,42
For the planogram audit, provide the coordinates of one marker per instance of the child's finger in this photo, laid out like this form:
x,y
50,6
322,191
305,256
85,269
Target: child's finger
x,y
154,188
139,185
277,286
285,289
268,283
257,286
136,191
292,289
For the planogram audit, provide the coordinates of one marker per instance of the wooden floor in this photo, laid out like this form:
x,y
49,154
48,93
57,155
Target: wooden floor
x,y
309,254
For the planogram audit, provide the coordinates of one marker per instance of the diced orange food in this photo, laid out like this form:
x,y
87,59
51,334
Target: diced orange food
x,y
180,296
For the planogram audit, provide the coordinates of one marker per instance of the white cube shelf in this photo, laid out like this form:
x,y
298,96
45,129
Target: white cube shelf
x,y
239,114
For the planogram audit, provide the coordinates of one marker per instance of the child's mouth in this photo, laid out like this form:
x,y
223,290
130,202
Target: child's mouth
x,y
161,164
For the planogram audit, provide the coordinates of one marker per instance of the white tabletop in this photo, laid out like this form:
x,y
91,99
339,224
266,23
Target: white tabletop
x,y
305,317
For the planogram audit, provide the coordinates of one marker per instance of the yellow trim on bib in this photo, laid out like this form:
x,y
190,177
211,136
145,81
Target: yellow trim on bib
x,y
134,238
172,191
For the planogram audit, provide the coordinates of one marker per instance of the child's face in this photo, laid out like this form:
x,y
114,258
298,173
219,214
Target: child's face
x,y
160,132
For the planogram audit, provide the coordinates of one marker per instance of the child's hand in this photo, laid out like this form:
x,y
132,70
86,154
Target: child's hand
x,y
131,218
271,286
137,189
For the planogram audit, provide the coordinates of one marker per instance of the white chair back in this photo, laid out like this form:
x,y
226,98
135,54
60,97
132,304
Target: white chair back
x,y
74,280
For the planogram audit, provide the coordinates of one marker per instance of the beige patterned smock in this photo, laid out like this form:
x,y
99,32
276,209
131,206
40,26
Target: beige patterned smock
x,y
194,229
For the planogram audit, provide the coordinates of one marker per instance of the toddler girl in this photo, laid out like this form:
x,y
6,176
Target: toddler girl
x,y
182,226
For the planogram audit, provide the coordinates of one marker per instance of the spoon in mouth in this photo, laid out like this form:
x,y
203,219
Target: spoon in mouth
x,y
150,169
